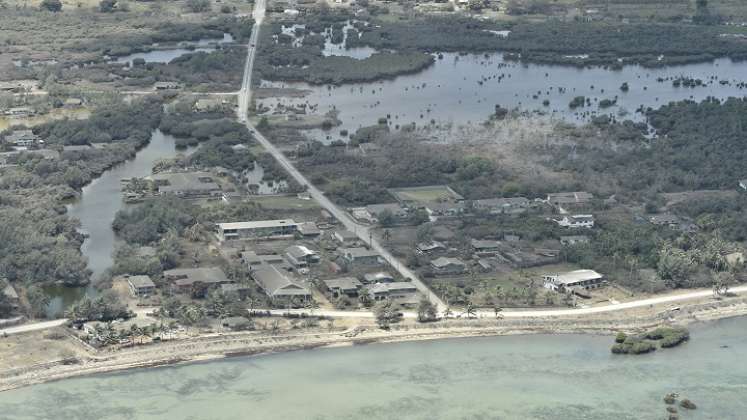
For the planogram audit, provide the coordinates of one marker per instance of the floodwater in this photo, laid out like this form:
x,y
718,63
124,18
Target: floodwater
x,y
168,54
461,89
99,202
256,183
515,377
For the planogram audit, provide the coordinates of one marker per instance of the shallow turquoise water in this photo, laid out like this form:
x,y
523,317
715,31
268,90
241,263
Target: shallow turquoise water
x,y
522,377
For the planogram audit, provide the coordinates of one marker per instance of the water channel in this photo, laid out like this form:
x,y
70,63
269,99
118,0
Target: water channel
x,y
513,377
99,202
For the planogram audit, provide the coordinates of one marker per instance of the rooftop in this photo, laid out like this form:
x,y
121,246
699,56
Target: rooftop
x,y
184,276
502,202
140,281
258,224
398,286
10,292
344,283
445,261
359,252
276,283
251,257
577,276
299,251
484,244
380,277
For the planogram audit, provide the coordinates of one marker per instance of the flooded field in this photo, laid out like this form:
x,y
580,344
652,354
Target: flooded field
x,y
463,89
165,55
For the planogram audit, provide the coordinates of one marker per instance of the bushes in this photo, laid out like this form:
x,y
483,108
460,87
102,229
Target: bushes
x,y
150,221
665,337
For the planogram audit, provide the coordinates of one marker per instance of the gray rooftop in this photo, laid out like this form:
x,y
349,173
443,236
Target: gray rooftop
x,y
185,276
484,244
140,281
380,277
343,283
359,252
299,251
276,283
503,202
445,261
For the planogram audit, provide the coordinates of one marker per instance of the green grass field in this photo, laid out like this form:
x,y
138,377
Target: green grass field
x,y
424,194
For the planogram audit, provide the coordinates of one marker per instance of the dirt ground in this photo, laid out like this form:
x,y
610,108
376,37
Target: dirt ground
x,y
38,347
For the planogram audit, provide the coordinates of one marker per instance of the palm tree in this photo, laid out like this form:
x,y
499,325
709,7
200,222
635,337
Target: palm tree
x,y
497,311
470,310
312,305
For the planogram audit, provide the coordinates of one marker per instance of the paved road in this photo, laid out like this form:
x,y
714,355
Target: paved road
x,y
667,299
36,326
362,231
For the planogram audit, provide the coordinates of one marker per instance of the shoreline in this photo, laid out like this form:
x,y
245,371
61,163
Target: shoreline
x,y
219,346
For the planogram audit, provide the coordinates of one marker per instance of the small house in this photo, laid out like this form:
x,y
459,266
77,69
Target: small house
x,y
10,293
569,199
448,266
344,286
512,205
398,212
360,256
279,287
184,279
300,256
743,184
242,290
166,86
141,286
309,230
395,291
206,105
485,247
431,247
23,139
576,221
346,237
571,240
578,279
669,220
378,277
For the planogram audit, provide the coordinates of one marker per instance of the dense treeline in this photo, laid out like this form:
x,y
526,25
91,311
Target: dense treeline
x,y
403,162
148,222
156,219
698,146
40,242
219,69
550,41
170,32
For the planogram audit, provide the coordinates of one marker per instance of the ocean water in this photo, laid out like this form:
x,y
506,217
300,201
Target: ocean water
x,y
513,377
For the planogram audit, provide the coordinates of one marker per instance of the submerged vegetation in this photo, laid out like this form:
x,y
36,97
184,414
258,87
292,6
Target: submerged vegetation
x,y
662,337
